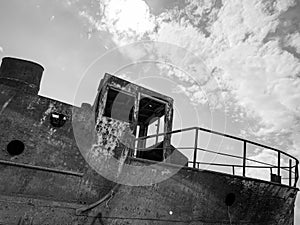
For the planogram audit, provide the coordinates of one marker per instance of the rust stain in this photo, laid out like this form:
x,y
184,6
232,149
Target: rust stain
x,y
6,104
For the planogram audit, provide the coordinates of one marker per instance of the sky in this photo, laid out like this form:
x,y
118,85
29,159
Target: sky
x,y
231,65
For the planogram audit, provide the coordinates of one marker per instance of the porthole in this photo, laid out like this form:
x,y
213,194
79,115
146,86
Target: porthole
x,y
15,147
57,119
230,199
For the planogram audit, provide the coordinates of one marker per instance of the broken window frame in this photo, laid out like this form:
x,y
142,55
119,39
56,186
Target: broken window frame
x,y
143,143
110,81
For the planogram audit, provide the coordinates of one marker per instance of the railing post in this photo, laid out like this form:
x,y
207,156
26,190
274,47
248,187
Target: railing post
x,y
233,172
271,171
296,173
278,165
290,172
195,148
244,158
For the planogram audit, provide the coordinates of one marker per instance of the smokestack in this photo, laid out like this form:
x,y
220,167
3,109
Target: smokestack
x,y
21,74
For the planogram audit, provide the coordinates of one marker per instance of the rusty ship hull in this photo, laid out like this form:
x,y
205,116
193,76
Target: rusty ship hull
x,y
44,178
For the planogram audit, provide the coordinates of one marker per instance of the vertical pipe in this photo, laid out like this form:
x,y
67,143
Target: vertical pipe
x,y
290,172
278,165
244,158
233,170
195,148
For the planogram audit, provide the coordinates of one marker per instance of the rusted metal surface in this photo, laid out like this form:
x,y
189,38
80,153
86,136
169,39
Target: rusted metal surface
x,y
189,197
50,180
29,119
198,197
22,75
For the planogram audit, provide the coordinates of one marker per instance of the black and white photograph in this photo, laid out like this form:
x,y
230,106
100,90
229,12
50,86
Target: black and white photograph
x,y
149,112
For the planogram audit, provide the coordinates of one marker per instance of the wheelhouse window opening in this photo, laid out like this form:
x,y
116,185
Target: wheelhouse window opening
x,y
119,105
151,121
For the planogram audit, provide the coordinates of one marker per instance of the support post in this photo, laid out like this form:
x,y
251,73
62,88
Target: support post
x,y
271,171
290,172
278,165
195,148
244,158
157,130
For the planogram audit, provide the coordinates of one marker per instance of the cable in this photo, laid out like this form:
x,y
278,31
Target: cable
x,y
109,195
100,201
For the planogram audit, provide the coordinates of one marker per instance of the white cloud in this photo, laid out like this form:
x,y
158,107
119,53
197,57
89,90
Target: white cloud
x,y
264,80
194,93
128,16
293,40
231,38
125,20
283,5
1,49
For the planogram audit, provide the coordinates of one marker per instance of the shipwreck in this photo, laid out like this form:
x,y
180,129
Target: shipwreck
x,y
100,164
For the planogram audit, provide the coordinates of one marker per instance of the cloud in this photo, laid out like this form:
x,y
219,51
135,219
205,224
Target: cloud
x,y
125,20
194,93
293,40
238,41
1,49
265,81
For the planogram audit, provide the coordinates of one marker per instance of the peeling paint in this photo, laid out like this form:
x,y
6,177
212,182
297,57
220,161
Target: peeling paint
x,y
47,112
166,171
109,134
51,131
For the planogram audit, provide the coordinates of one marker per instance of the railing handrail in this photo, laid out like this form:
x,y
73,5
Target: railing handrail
x,y
217,133
229,155
247,141
236,165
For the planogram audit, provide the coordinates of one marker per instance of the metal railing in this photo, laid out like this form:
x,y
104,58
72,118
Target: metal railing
x,y
291,169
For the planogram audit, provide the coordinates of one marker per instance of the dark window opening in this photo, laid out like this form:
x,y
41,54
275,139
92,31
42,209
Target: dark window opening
x,y
149,109
15,147
57,119
154,153
119,106
230,199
